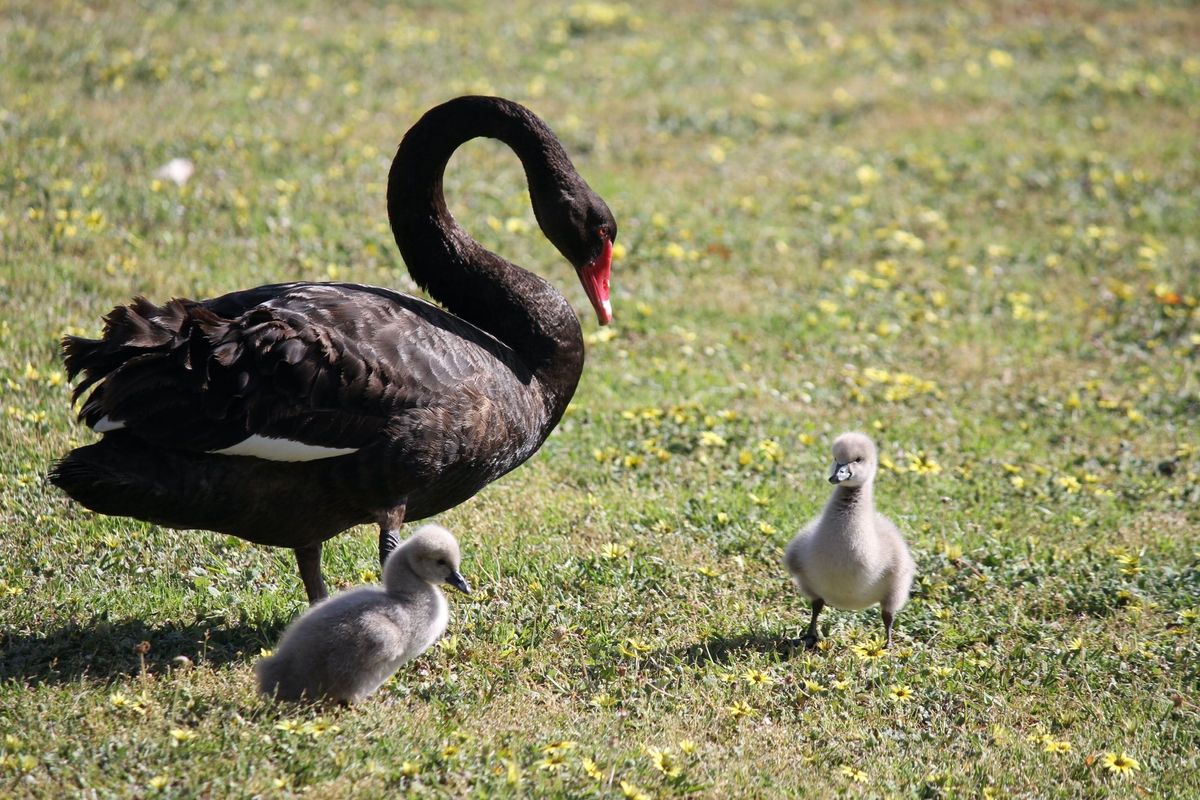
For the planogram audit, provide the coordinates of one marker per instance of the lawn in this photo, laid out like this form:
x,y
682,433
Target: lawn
x,y
970,231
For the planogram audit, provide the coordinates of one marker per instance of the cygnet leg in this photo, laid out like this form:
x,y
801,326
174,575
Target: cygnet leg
x,y
309,560
814,633
389,530
887,625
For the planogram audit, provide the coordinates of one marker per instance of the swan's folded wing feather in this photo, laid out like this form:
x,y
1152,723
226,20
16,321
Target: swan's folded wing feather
x,y
324,365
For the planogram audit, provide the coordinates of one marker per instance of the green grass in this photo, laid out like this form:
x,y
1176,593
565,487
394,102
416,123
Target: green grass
x,y
970,232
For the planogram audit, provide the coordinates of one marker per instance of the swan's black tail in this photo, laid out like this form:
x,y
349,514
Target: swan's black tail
x,y
251,498
122,476
143,360
119,476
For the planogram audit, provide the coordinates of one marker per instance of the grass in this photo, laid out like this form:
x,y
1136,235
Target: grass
x,y
969,231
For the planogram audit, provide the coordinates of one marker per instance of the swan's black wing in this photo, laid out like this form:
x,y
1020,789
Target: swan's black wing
x,y
321,365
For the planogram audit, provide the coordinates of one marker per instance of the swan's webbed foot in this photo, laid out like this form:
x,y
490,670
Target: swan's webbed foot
x,y
389,530
388,541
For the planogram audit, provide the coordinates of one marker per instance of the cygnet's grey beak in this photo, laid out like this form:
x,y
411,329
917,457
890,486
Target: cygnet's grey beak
x,y
456,580
841,472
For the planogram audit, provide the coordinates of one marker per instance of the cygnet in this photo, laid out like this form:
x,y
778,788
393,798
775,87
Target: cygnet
x,y
851,557
345,647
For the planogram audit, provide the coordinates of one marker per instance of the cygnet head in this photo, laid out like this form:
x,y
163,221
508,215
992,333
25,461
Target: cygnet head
x,y
854,460
432,553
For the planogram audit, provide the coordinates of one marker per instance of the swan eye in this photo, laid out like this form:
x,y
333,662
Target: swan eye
x,y
441,562
858,460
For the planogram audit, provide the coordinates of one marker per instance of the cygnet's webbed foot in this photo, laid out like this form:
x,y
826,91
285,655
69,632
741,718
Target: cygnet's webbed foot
x,y
813,634
805,642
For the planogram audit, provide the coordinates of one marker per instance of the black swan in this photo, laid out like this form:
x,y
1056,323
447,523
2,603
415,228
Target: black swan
x,y
286,414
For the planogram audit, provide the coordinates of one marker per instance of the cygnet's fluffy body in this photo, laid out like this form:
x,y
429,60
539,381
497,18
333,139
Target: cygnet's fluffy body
x,y
345,647
851,557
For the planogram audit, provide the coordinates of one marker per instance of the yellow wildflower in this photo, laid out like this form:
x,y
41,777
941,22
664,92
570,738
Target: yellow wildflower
x,y
1068,482
612,550
869,652
632,647
552,762
756,677
632,792
603,700
856,775
179,735
664,762
1120,764
740,709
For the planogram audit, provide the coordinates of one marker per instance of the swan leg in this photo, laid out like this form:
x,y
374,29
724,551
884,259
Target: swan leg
x,y
389,530
309,560
887,625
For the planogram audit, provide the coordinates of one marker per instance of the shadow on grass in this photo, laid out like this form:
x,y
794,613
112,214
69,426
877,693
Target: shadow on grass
x,y
103,650
723,649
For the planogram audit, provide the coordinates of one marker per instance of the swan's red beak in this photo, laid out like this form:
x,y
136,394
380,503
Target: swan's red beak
x,y
595,277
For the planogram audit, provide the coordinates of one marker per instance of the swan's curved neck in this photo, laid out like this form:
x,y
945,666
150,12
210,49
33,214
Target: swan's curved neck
x,y
514,305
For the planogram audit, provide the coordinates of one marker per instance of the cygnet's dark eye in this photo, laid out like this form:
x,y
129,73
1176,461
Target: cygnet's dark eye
x,y
442,562
858,460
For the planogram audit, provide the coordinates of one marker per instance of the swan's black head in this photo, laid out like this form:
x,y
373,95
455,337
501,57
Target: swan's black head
x,y
581,226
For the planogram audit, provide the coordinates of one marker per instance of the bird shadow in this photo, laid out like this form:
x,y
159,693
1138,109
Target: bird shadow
x,y
101,649
724,649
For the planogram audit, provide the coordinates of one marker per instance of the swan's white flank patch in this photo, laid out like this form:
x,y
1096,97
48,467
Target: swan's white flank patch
x,y
104,425
274,449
